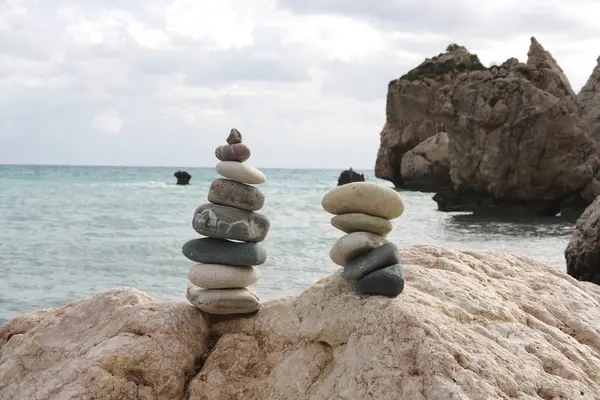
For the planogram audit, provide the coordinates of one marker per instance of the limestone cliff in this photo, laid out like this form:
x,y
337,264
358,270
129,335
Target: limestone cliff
x,y
469,325
410,102
589,101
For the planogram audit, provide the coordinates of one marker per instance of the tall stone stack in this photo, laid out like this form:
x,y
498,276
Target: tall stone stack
x,y
233,228
363,211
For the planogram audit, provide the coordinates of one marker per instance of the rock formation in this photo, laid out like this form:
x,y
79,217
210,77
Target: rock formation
x,y
426,167
411,100
363,211
589,101
469,325
233,227
517,140
183,178
349,175
583,251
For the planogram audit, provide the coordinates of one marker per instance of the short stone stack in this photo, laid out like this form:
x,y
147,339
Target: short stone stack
x,y
233,228
363,211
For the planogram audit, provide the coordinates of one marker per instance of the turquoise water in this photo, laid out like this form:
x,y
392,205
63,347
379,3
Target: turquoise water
x,y
71,232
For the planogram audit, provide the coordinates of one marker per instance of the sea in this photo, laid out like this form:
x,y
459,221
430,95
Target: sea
x,y
70,232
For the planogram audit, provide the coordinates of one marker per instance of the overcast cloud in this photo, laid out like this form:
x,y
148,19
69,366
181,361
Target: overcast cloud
x,y
158,82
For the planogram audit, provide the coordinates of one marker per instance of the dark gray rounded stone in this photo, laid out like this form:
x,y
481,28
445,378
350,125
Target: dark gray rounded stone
x,y
233,152
222,222
220,251
387,282
226,192
380,257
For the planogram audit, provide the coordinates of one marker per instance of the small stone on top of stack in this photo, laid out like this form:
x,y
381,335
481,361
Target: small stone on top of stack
x,y
227,256
363,211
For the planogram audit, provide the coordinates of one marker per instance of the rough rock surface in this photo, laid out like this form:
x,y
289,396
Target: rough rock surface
x,y
583,251
411,100
517,140
426,167
589,101
467,326
120,344
349,176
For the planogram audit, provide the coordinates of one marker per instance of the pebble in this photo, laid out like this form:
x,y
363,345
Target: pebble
x,y
241,172
376,259
230,193
357,222
220,251
233,152
384,282
218,276
234,137
353,245
222,222
364,197
223,301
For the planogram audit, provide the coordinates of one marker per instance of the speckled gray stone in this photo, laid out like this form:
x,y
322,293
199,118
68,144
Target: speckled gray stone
x,y
226,192
387,282
234,136
222,222
220,251
380,257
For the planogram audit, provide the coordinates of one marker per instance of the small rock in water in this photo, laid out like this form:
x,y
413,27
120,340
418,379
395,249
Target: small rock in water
x,y
218,276
233,152
221,251
223,301
357,222
241,172
226,192
234,137
364,197
376,259
384,282
353,245
222,222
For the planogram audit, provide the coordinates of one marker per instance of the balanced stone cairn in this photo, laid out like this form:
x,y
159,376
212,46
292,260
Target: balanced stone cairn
x,y
363,211
227,256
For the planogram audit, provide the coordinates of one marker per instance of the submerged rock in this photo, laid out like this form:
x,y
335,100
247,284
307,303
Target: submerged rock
x,y
183,178
349,176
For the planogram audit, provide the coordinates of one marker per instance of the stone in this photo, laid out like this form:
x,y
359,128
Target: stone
x,y
183,178
121,344
233,152
223,301
364,197
234,137
219,276
387,282
353,245
220,251
222,222
241,172
348,176
583,251
426,167
358,222
468,325
589,100
226,192
376,259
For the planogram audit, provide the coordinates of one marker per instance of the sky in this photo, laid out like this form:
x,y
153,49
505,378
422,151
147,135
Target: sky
x,y
161,83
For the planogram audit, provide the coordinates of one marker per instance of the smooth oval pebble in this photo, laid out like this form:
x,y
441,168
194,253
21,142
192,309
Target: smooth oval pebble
x,y
230,193
233,152
358,222
353,245
378,258
222,222
384,282
241,172
364,197
223,301
221,251
218,276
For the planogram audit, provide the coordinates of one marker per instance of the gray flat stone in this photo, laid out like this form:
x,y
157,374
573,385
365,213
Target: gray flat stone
x,y
223,301
220,276
387,282
220,251
353,245
378,258
222,222
226,192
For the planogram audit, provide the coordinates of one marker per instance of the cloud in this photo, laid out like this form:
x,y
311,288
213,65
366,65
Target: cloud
x,y
161,82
